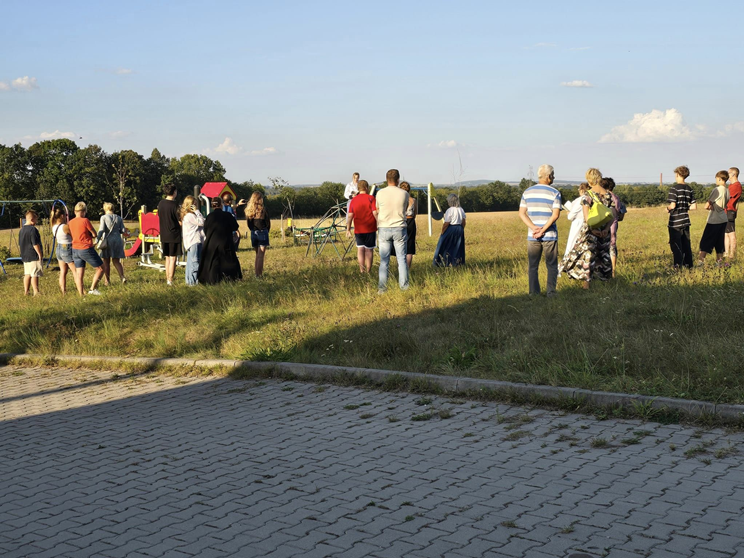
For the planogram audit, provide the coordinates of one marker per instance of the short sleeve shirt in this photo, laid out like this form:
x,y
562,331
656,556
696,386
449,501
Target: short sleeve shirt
x,y
718,199
540,201
28,237
362,206
683,197
82,233
170,229
454,216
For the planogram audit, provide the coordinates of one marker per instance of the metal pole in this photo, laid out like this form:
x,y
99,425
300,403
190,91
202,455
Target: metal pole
x,y
428,200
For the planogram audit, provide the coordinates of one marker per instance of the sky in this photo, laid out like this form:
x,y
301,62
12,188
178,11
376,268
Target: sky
x,y
443,91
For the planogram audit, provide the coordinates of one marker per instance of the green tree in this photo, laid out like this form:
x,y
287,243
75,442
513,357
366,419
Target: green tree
x,y
15,180
128,174
193,170
91,179
51,169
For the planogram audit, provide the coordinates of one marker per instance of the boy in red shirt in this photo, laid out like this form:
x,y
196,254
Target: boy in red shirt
x,y
731,208
362,213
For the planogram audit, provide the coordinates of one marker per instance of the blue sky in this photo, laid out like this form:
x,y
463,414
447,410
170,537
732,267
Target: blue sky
x,y
312,91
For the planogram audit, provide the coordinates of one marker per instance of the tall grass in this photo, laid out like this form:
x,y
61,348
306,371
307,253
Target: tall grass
x,y
651,331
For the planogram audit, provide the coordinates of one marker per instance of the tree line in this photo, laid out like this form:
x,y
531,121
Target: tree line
x,y
60,169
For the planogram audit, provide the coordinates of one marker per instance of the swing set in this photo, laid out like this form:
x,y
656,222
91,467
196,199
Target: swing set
x,y
10,210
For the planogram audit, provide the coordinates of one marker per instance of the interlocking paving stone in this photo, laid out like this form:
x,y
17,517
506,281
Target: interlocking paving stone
x,y
154,465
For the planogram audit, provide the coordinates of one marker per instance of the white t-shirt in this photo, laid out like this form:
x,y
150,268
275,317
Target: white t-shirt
x,y
454,216
351,190
392,203
60,235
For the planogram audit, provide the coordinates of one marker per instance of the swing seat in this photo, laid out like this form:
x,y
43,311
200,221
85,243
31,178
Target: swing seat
x,y
14,260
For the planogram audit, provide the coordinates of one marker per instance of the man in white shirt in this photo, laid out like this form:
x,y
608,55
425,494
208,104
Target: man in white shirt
x,y
351,188
392,203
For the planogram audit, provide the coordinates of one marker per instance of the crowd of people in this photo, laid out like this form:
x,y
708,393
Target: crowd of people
x,y
591,249
386,221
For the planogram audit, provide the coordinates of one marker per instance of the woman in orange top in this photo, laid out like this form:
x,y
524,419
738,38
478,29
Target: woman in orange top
x,y
83,252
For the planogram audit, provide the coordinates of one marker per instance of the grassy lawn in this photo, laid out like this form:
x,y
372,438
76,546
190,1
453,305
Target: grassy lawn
x,y
650,331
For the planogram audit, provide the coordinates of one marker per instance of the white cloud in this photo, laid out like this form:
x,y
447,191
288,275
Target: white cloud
x,y
445,144
24,83
576,83
736,127
265,151
119,134
228,146
649,127
56,134
4,86
544,45
123,71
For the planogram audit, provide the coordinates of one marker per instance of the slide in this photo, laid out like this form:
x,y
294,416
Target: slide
x,y
135,249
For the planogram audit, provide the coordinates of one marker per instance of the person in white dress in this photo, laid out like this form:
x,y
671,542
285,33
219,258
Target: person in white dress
x,y
576,216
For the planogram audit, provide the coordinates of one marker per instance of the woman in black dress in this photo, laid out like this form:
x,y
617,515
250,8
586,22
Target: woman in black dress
x,y
219,262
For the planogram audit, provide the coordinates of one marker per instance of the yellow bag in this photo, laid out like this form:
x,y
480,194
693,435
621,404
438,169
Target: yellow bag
x,y
599,213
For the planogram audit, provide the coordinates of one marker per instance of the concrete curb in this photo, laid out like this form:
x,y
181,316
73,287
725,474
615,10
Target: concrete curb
x,y
450,384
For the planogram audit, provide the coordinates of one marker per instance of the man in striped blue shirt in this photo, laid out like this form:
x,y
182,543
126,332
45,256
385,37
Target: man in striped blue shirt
x,y
539,209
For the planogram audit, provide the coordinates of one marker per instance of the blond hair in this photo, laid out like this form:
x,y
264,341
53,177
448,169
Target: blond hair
x,y
80,206
108,206
186,204
583,187
593,176
255,209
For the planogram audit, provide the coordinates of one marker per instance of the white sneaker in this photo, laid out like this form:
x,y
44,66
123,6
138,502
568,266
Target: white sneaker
x,y
170,283
94,292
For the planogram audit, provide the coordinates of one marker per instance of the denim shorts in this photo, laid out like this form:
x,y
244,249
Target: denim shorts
x,y
88,255
64,253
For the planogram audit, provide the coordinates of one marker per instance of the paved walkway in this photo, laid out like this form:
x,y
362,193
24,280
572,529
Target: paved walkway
x,y
159,466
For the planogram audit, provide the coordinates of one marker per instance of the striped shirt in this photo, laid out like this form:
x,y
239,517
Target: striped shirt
x,y
540,201
683,196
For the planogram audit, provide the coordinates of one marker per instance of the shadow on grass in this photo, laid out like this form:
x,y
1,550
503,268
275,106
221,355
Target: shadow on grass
x,y
620,337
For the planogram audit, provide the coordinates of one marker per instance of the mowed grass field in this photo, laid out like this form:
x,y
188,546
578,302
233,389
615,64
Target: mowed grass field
x,y
650,331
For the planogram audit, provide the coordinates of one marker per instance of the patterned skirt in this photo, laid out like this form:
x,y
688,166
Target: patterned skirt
x,y
589,258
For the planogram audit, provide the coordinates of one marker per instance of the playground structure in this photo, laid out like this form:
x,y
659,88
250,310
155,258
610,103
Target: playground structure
x,y
331,228
148,239
48,241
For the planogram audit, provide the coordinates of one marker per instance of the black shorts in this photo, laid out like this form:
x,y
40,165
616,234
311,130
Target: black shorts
x,y
731,225
714,237
171,249
366,240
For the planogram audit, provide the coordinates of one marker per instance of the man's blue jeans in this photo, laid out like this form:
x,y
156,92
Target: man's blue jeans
x,y
389,239
193,255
